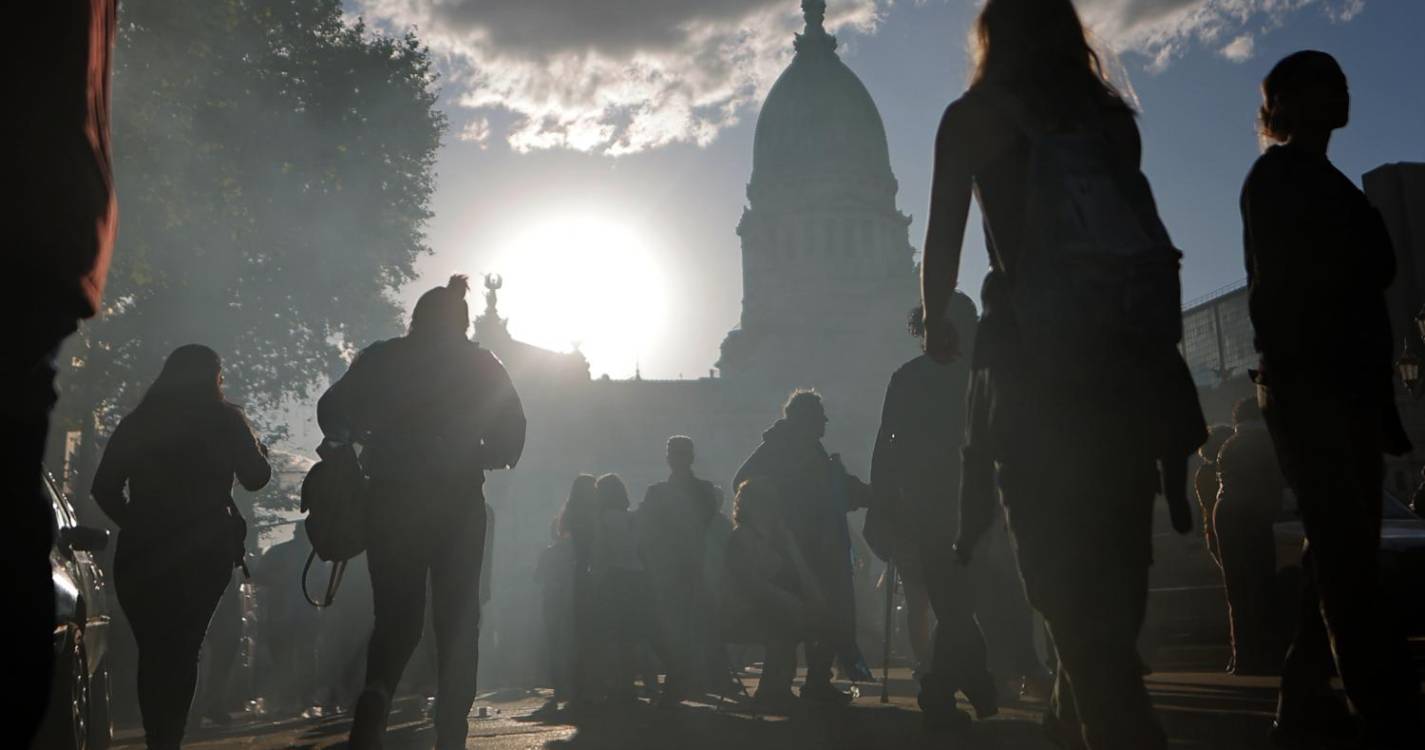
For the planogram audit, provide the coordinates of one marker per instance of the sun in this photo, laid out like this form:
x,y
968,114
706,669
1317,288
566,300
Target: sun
x,y
589,280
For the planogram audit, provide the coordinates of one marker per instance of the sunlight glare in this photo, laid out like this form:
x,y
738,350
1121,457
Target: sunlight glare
x,y
586,280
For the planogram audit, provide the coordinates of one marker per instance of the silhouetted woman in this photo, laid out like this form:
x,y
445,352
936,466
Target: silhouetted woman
x,y
1077,469
1318,264
179,533
620,584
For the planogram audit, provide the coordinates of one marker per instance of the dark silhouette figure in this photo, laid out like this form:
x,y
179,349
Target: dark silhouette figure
x,y
287,625
578,522
770,596
1075,460
433,411
220,655
1248,503
1205,484
915,470
622,621
1318,263
816,493
180,535
555,573
672,523
61,213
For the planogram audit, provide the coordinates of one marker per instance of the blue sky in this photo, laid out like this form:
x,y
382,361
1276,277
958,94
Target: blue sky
x,y
542,115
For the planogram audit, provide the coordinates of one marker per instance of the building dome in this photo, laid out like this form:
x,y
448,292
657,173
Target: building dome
x,y
818,119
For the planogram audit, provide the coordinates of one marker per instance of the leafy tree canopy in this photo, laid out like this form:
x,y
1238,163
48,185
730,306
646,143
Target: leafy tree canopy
x,y
274,166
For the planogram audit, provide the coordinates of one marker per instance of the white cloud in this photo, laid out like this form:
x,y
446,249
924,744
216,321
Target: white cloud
x,y
1239,49
1163,30
609,76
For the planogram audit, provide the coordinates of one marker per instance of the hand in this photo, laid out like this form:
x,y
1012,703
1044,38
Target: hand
x,y
942,341
962,555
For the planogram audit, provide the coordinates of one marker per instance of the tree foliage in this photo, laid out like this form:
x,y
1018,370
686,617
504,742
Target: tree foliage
x,y
274,165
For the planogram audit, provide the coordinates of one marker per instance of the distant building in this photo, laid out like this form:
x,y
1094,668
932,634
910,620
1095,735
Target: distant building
x,y
828,278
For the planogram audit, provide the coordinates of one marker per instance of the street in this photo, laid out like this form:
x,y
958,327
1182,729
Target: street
x,y
1200,711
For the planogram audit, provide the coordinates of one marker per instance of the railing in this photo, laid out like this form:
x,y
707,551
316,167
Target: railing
x,y
1215,294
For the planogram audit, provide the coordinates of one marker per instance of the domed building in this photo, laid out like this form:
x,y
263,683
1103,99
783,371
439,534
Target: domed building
x,y
827,265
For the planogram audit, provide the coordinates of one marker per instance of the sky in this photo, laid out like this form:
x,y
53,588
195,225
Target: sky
x,y
599,149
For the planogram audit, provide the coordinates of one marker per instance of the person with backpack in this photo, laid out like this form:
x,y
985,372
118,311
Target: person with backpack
x,y
433,411
1319,260
180,535
1081,406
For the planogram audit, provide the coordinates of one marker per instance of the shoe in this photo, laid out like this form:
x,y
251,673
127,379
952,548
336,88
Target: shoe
x,y
368,724
774,702
983,697
824,692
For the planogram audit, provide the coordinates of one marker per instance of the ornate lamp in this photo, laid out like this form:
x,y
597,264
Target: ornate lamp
x,y
1408,367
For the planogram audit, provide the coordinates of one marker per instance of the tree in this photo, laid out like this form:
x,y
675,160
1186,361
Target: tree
x,y
274,165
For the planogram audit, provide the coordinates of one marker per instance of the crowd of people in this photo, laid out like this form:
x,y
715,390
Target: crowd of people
x,y
1077,412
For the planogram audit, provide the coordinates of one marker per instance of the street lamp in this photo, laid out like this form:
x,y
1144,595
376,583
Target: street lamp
x,y
1408,367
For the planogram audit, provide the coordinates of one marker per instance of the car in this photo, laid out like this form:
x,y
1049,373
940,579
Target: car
x,y
1402,558
78,716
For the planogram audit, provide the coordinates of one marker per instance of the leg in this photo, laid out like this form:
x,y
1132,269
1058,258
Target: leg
x,y
397,561
455,609
917,616
1330,453
959,661
169,629
779,667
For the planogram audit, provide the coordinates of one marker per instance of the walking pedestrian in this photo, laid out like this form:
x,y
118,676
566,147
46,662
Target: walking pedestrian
x,y
180,535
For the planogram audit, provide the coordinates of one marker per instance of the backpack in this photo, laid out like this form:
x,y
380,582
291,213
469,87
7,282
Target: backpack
x,y
1095,295
334,499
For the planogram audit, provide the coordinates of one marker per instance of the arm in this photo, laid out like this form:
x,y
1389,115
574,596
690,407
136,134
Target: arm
x,y
1274,229
885,468
113,474
950,189
338,410
250,462
500,417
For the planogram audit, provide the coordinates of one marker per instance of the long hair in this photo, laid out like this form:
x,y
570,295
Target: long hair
x,y
581,507
755,496
1040,50
190,376
612,492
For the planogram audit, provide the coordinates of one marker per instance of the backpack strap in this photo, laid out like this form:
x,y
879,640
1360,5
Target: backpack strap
x,y
338,572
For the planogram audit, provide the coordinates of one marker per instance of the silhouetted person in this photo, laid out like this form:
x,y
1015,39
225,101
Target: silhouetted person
x,y
1318,263
433,412
915,471
816,494
673,522
1249,501
220,652
1074,441
179,533
288,626
555,574
60,216
579,522
1417,500
621,619
1205,484
770,595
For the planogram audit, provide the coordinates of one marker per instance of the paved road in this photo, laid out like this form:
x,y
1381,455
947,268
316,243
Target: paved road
x,y
1201,711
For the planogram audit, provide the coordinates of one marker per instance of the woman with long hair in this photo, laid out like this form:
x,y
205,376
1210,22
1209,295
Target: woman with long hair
x,y
1319,260
180,535
578,523
1077,464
